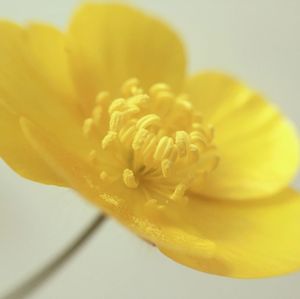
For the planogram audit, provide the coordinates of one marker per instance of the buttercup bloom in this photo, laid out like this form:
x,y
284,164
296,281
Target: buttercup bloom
x,y
198,166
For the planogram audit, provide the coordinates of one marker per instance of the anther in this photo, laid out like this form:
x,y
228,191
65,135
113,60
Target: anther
x,y
179,192
162,147
164,102
182,142
197,126
165,167
109,139
126,135
87,126
138,100
194,154
164,99
148,120
139,139
97,112
164,96
168,148
117,105
129,179
174,154
130,87
158,88
184,105
131,110
150,148
102,97
197,137
116,121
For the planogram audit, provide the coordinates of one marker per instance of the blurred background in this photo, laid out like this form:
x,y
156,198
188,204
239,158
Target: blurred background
x,y
259,41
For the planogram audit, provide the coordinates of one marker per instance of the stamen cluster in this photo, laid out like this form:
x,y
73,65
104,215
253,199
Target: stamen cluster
x,y
156,141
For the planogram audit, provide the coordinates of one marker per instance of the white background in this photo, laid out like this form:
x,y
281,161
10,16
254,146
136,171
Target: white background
x,y
258,40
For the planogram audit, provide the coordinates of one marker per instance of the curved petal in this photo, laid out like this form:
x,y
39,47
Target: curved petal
x,y
35,82
17,152
258,147
110,43
253,238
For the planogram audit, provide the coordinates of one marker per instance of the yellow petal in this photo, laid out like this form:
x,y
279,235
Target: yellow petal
x,y
35,82
126,205
231,238
258,147
48,57
252,238
111,43
17,152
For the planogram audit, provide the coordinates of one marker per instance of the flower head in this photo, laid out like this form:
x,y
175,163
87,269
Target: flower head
x,y
199,165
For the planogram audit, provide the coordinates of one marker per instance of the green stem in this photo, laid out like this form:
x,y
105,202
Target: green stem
x,y
35,281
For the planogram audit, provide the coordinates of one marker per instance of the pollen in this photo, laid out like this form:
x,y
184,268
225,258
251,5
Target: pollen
x,y
154,141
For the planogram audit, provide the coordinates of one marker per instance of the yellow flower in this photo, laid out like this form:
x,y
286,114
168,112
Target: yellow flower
x,y
199,166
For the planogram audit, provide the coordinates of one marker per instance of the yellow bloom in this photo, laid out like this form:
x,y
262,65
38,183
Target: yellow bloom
x,y
198,166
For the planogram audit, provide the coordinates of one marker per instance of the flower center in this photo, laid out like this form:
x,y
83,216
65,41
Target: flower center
x,y
153,141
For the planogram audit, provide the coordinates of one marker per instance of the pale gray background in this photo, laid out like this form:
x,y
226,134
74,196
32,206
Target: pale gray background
x,y
258,40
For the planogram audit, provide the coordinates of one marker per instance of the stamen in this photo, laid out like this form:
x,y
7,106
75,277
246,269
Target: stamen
x,y
164,146
148,120
165,167
109,139
139,139
126,135
102,98
117,105
97,112
129,179
132,110
158,88
116,121
138,100
87,127
182,142
194,154
184,105
179,192
198,138
164,96
168,148
174,154
130,87
150,148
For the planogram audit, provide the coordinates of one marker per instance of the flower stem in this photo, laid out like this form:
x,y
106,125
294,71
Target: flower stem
x,y
35,281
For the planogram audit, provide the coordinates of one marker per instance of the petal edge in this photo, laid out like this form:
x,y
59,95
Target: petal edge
x,y
259,148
